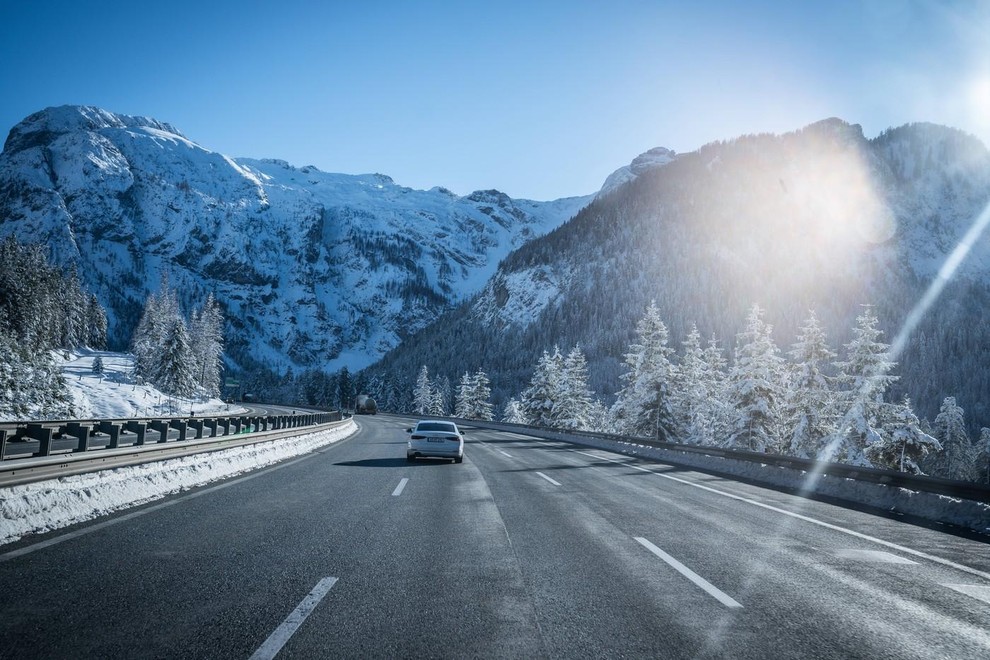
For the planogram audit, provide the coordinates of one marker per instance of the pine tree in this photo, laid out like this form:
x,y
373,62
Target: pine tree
x,y
716,383
644,407
96,324
512,413
423,394
756,388
903,446
957,459
810,402
481,399
690,398
574,409
982,463
175,370
866,376
98,365
206,342
345,389
540,401
439,390
463,407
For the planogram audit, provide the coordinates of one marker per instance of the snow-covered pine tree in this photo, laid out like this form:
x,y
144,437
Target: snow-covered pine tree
x,y
860,407
809,414
716,383
982,467
175,374
903,445
98,365
643,407
206,342
345,389
574,409
756,388
689,396
439,395
96,324
512,413
463,402
957,459
540,401
423,393
481,398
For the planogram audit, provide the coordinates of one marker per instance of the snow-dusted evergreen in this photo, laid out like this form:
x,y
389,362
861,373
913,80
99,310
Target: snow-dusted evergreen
x,y
809,413
644,406
206,344
866,376
756,388
903,445
473,393
574,410
540,402
957,460
423,394
982,463
513,413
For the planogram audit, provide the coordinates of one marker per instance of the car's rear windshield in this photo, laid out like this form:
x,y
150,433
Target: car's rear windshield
x,y
436,426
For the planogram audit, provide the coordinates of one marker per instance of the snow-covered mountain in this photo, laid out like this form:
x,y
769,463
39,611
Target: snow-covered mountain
x,y
822,218
313,269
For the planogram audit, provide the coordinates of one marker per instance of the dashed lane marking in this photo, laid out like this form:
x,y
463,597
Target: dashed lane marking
x,y
555,483
709,588
277,639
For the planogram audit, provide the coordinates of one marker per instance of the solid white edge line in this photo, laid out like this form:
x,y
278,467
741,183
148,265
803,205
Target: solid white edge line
x,y
711,589
555,483
503,453
398,489
821,523
281,635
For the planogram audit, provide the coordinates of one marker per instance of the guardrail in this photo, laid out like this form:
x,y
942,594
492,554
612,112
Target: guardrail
x,y
959,489
76,436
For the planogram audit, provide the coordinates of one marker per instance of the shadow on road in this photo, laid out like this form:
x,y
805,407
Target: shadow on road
x,y
391,462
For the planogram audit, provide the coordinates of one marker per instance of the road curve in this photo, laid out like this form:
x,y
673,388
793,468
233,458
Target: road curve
x,y
528,548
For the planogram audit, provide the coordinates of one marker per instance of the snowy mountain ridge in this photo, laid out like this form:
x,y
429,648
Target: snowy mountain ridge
x,y
313,269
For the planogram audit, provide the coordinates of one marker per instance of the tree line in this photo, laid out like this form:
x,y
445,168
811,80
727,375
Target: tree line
x,y
807,403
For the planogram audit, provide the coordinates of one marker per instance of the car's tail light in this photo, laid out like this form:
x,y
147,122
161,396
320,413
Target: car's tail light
x,y
418,437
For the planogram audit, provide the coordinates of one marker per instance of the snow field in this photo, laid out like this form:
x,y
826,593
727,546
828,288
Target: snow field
x,y
49,505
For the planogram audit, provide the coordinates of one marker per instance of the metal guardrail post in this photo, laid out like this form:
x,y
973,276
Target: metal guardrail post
x,y
3,443
212,425
113,430
198,425
79,431
180,425
43,435
236,423
138,428
161,427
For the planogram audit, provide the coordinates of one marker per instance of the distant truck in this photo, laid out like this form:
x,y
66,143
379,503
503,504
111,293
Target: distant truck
x,y
365,405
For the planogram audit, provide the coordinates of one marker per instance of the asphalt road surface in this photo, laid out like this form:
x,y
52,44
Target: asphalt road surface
x,y
527,549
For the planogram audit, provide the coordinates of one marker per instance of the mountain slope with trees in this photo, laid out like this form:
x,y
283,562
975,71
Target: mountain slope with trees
x,y
820,220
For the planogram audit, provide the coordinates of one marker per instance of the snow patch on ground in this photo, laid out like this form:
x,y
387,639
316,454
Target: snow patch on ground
x,y
117,393
49,505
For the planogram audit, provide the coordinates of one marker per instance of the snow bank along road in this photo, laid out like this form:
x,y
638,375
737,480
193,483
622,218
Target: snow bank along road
x,y
529,548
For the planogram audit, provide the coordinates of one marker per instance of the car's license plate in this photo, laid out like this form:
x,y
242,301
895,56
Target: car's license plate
x,y
435,440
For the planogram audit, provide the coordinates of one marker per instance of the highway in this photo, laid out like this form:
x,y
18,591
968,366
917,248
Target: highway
x,y
529,548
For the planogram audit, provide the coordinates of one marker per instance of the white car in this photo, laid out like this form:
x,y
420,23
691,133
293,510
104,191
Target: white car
x,y
438,439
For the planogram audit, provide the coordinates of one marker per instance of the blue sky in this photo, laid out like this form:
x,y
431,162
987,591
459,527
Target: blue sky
x,y
537,99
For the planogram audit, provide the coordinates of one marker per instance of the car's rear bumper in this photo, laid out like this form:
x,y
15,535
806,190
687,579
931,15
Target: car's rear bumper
x,y
422,449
